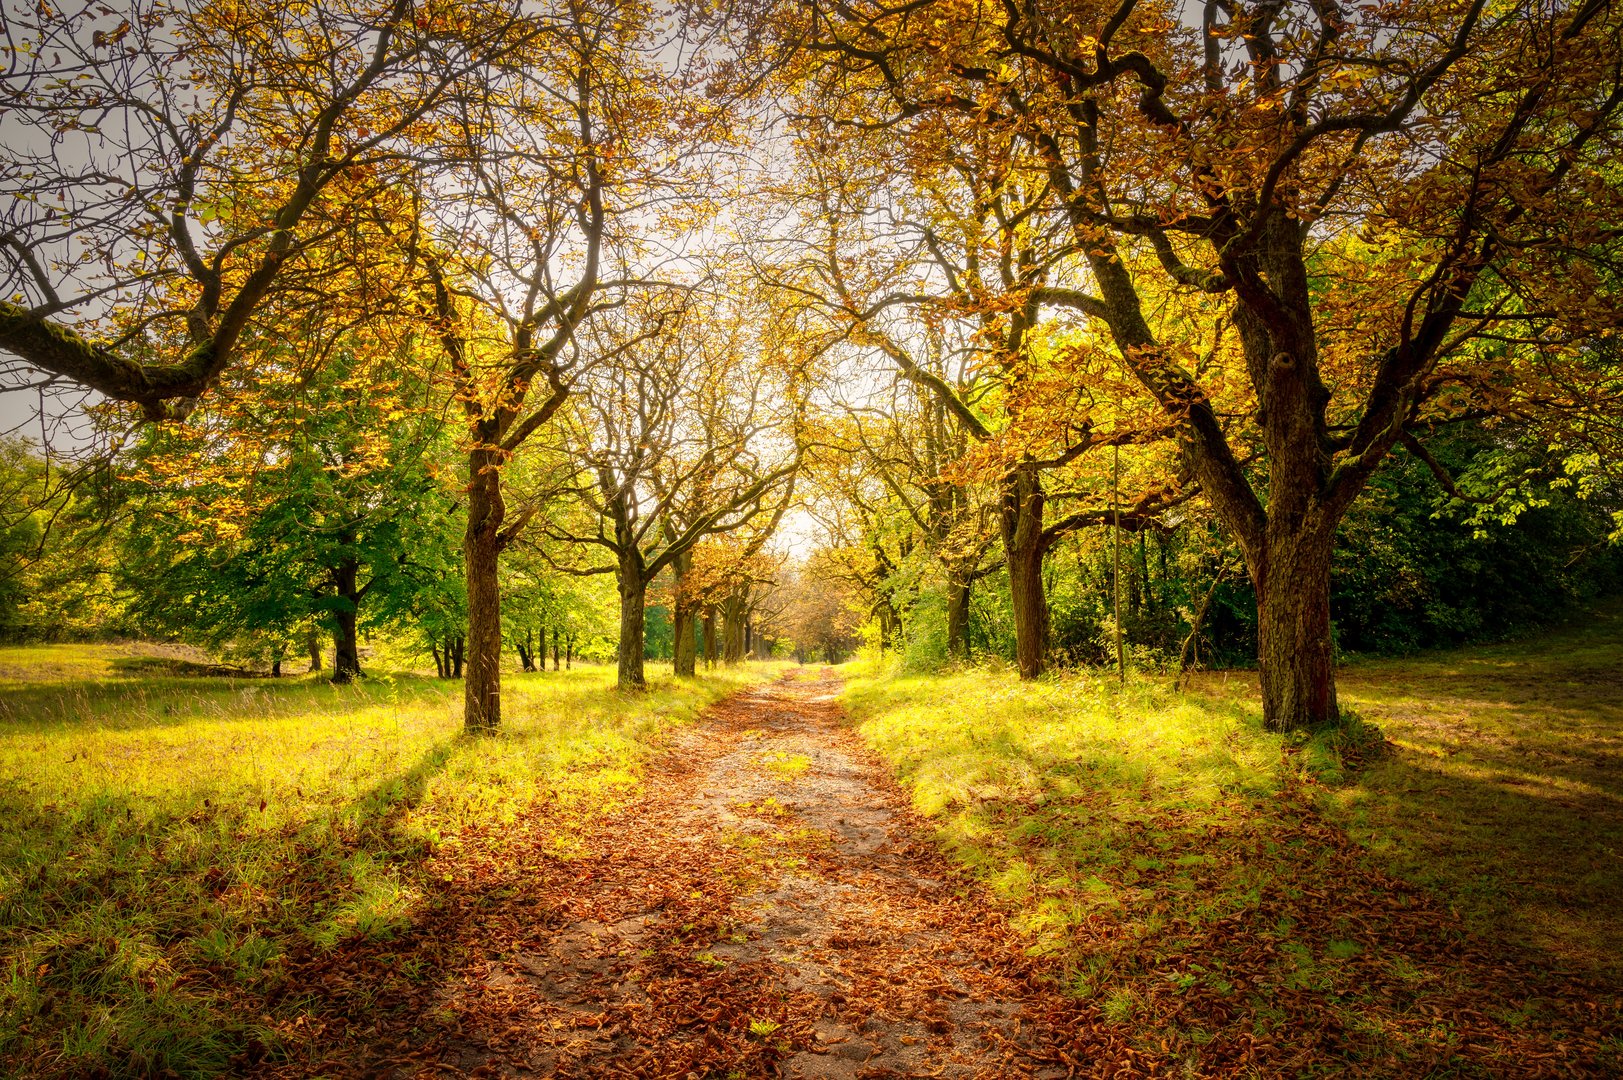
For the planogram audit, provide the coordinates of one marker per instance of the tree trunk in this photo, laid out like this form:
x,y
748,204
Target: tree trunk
x,y
441,670
1295,650
457,656
890,624
346,648
569,653
633,598
276,668
710,636
1290,569
732,629
481,545
957,619
346,662
526,650
1021,518
684,649
555,636
312,642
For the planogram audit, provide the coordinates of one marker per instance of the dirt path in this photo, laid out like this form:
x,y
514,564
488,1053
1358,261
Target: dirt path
x,y
766,910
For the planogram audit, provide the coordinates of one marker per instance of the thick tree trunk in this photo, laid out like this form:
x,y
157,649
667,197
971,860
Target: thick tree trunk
x,y
1295,650
312,643
684,649
481,545
346,665
732,629
633,598
346,647
958,619
710,642
1291,571
276,668
1021,517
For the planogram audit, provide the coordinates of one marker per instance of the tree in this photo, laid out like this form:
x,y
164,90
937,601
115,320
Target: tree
x,y
288,499
693,433
1406,209
939,254
916,451
558,163
817,612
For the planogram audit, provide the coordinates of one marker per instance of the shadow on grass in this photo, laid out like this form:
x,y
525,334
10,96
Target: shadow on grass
x,y
132,937
138,667
182,920
137,702
1525,858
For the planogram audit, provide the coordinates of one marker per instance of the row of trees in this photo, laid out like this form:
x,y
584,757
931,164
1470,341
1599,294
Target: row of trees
x,y
1129,266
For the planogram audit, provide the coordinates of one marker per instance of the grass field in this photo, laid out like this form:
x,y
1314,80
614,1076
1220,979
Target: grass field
x,y
1447,902
1505,790
1443,902
168,839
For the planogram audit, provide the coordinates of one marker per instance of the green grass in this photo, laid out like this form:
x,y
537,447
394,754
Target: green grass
x,y
1069,796
168,839
1178,862
1506,790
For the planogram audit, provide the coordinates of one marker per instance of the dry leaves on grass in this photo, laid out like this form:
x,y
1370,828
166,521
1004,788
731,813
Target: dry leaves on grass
x,y
739,920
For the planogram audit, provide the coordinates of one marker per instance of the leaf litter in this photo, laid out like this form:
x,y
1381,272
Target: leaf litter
x,y
737,919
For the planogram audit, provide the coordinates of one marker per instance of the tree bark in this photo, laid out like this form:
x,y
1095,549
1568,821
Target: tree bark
x,y
1021,518
481,545
633,599
346,647
684,649
710,636
1295,649
957,619
732,629
457,656
569,653
555,648
313,644
1291,568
